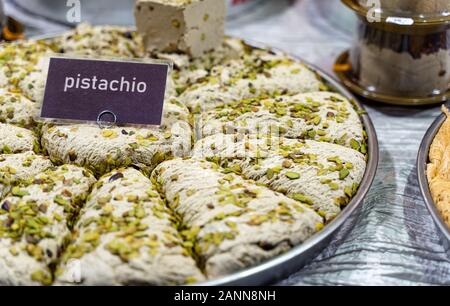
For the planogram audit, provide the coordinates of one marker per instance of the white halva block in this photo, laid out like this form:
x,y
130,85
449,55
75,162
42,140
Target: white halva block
x,y
190,26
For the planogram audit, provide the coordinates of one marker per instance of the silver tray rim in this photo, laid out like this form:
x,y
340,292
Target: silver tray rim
x,y
422,161
293,260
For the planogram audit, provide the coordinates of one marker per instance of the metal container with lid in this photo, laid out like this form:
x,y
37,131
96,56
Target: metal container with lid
x,y
401,54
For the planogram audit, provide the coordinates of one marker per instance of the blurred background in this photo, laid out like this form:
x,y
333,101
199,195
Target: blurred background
x,y
316,27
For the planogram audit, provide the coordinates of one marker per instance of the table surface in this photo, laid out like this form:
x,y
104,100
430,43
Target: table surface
x,y
392,240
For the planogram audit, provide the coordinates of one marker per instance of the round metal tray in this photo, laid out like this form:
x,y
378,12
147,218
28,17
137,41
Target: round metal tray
x,y
284,265
422,161
292,261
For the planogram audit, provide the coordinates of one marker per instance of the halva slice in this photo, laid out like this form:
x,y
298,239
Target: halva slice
x,y
231,223
268,76
103,150
100,41
35,222
127,236
17,109
438,170
322,175
321,116
16,168
14,139
190,26
19,59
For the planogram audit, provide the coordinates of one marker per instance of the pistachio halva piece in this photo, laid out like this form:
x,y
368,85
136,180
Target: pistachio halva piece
x,y
251,77
231,223
190,26
189,71
261,72
322,175
266,185
17,109
35,221
16,168
321,116
127,236
173,112
100,41
24,52
103,150
19,59
32,83
14,139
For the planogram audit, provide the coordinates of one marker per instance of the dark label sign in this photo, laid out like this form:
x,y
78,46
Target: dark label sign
x,y
83,89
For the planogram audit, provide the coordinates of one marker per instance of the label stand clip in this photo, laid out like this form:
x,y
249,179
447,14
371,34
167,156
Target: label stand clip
x,y
106,124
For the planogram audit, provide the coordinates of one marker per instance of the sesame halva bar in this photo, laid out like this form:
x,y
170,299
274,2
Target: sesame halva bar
x,y
231,223
35,221
127,236
321,116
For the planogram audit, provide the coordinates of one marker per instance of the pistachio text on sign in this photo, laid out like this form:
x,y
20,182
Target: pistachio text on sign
x,y
94,83
79,89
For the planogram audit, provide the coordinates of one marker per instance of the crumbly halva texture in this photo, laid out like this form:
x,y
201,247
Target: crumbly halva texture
x,y
94,40
35,221
14,139
438,170
85,40
322,175
33,84
106,41
173,112
321,116
107,149
258,75
16,168
19,59
103,150
190,71
17,109
193,27
231,223
127,236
